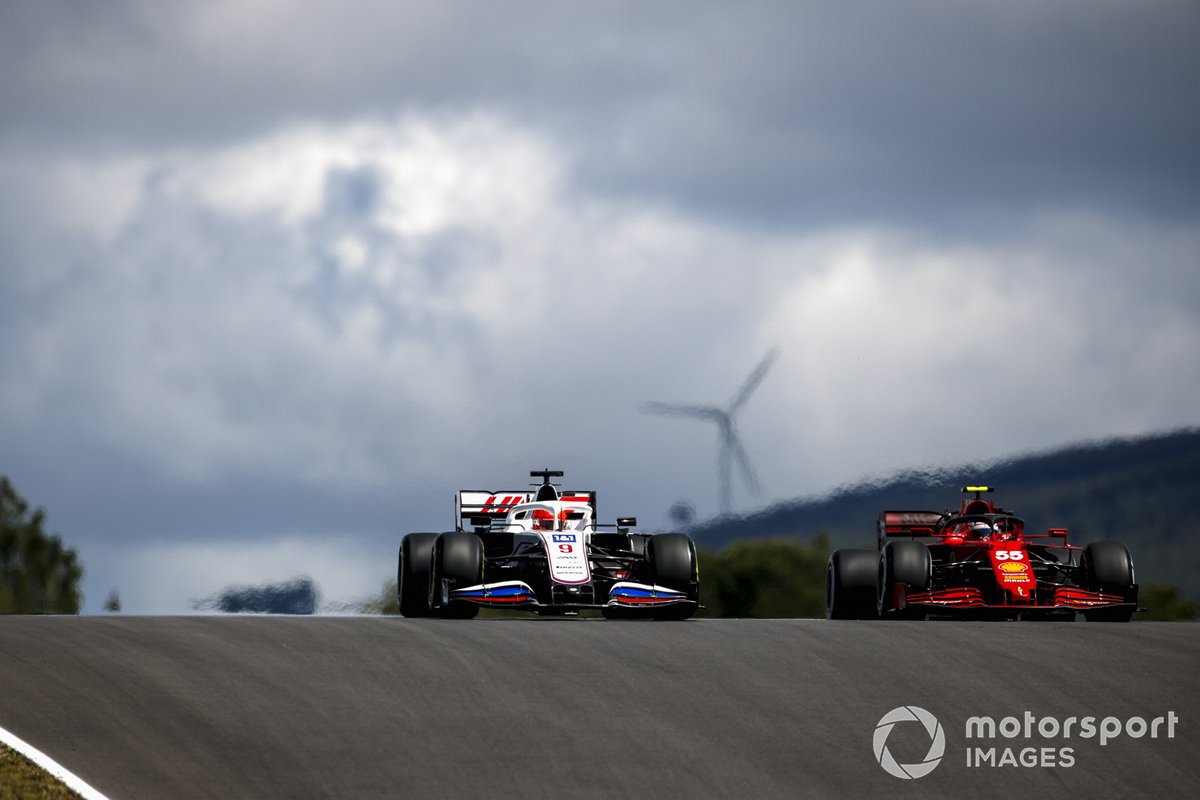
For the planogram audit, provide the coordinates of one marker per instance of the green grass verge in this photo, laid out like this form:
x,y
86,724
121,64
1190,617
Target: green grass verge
x,y
21,779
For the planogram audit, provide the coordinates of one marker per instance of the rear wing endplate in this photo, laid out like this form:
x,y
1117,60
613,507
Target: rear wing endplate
x,y
907,523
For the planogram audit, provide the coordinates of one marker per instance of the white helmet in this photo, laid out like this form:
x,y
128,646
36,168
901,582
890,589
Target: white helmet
x,y
981,530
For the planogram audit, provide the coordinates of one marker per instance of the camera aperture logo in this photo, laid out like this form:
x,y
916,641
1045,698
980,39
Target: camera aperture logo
x,y
1010,741
937,742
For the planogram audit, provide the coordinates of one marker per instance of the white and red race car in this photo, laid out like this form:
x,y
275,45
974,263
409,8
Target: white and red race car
x,y
542,550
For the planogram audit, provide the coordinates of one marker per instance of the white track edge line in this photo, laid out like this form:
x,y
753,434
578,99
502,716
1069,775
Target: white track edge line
x,y
72,781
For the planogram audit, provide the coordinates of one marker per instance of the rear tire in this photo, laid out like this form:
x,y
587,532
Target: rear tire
x,y
1108,568
458,558
412,573
850,584
905,564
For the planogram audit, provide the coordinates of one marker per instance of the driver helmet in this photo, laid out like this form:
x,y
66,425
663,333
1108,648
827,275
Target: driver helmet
x,y
981,531
543,520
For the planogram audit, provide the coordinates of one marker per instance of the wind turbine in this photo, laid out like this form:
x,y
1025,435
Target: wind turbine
x,y
729,446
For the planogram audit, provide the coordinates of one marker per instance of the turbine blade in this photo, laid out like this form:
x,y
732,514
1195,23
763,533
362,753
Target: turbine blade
x,y
683,410
749,475
754,379
724,473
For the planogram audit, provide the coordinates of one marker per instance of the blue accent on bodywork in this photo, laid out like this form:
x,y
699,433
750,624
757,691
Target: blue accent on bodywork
x,y
502,591
627,591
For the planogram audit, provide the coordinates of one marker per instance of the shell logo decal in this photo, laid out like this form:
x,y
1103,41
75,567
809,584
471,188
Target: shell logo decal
x,y
1012,567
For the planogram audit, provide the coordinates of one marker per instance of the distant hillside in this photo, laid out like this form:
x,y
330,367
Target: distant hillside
x,y
1143,492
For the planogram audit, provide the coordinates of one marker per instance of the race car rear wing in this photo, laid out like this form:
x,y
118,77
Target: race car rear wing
x,y
477,504
915,524
907,523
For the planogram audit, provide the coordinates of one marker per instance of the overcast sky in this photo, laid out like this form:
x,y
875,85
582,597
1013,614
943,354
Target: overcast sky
x,y
276,279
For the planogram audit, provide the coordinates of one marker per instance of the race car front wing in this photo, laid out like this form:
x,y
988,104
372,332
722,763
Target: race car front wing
x,y
518,594
1065,598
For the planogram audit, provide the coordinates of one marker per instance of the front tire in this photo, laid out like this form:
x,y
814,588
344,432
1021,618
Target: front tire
x,y
457,558
413,573
637,544
1108,567
902,564
850,584
673,564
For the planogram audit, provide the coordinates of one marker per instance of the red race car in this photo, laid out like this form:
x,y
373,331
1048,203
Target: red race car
x,y
979,563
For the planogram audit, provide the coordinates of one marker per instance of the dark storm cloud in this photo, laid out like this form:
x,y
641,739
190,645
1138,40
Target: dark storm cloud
x,y
922,113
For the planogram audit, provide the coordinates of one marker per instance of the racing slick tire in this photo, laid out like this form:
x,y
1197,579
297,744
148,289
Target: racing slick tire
x,y
673,564
458,558
902,563
412,573
637,544
1108,567
850,584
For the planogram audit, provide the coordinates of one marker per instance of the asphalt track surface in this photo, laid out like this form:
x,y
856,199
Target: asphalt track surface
x,y
267,707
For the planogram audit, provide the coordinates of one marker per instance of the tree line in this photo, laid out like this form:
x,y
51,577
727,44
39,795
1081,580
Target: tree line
x,y
38,573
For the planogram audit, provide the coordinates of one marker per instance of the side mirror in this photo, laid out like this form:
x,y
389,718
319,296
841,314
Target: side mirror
x,y
626,522
481,521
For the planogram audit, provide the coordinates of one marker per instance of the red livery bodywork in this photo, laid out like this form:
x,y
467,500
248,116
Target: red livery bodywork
x,y
979,562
